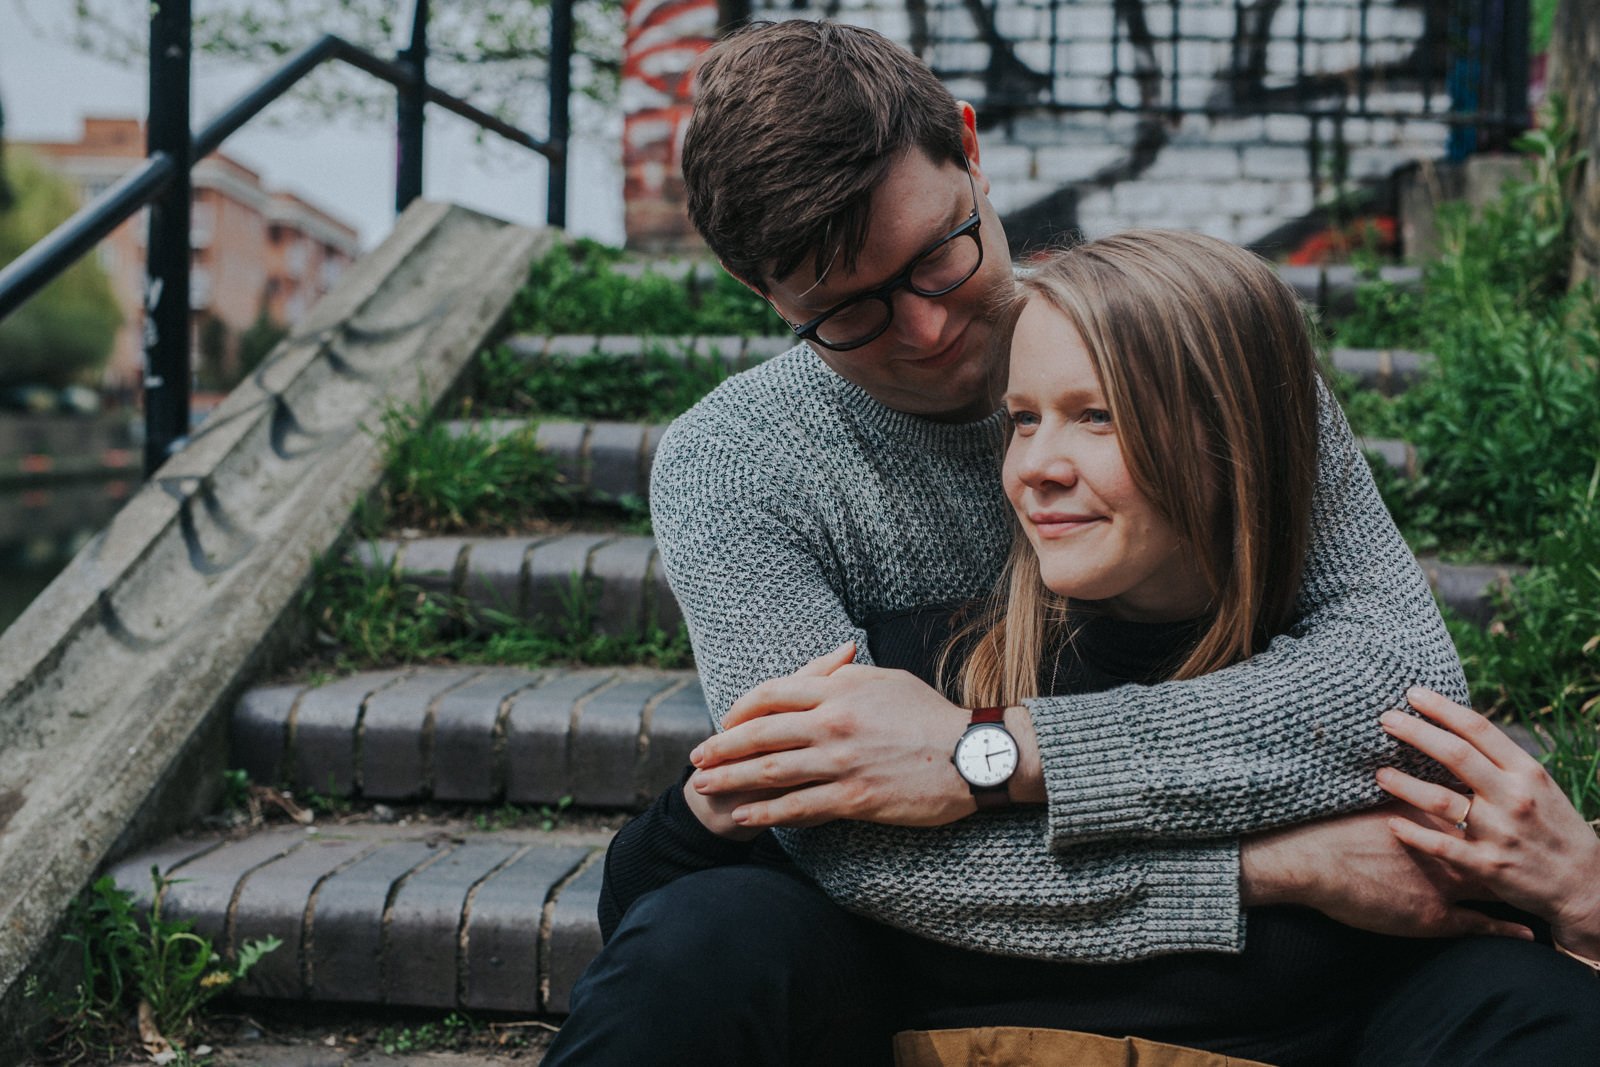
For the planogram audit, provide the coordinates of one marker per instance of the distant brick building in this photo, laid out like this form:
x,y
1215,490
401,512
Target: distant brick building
x,y
257,253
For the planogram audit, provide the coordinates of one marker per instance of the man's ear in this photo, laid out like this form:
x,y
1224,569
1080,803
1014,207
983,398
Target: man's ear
x,y
969,142
741,280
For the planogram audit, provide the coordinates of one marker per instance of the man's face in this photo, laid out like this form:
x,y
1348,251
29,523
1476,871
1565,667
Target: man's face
x,y
935,359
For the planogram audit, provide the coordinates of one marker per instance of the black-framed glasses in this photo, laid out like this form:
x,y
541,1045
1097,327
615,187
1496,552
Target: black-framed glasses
x,y
942,267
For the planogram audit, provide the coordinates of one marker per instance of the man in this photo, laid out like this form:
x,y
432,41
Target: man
x,y
854,478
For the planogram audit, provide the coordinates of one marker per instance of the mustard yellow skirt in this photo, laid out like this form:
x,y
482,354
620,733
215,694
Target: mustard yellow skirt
x,y
1023,1046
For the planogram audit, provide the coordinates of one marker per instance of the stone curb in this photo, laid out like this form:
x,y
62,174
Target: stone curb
x,y
1387,370
607,461
1384,370
607,738
734,351
116,680
496,921
596,461
622,578
612,584
1332,287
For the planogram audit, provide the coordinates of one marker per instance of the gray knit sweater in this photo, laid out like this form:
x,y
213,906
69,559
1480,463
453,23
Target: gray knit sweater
x,y
790,506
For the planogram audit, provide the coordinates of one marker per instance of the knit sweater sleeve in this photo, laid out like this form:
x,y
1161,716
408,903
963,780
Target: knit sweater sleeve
x,y
1291,733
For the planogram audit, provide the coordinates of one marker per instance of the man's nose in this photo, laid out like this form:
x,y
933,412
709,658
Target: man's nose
x,y
919,320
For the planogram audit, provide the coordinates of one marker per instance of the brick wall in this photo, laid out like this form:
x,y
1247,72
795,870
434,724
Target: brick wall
x,y
1241,178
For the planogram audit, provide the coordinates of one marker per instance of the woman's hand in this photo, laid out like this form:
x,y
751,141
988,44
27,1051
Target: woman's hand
x,y
1524,841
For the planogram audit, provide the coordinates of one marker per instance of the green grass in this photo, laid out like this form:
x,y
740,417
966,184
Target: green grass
x,y
658,386
576,289
441,483
365,618
1541,660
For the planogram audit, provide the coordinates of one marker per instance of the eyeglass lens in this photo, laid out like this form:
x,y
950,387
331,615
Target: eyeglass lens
x,y
937,272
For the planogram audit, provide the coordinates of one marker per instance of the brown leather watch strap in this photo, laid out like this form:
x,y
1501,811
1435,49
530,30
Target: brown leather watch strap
x,y
999,796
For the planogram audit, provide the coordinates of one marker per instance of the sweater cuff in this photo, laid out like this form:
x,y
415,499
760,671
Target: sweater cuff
x,y
1091,763
686,829
1192,899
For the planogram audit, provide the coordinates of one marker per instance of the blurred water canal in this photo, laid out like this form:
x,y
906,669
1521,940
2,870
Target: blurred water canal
x,y
43,526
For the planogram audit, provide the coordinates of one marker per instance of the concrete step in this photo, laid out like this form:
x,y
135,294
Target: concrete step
x,y
606,461
1399,456
1332,287
605,737
621,576
608,738
734,351
1387,370
613,582
599,462
489,921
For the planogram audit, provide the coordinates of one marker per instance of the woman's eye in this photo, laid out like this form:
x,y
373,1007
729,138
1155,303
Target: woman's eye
x,y
1022,420
1097,417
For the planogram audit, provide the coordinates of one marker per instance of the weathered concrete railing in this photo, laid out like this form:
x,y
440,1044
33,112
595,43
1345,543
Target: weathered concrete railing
x,y
114,684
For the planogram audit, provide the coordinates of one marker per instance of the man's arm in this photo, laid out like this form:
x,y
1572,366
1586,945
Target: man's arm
x,y
741,570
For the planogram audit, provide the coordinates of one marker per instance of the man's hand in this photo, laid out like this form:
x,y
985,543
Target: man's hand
x,y
843,741
1345,869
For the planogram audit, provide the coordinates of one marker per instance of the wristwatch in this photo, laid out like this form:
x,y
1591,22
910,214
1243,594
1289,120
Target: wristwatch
x,y
986,757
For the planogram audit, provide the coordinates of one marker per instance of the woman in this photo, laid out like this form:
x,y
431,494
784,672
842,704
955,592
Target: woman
x,y
1162,409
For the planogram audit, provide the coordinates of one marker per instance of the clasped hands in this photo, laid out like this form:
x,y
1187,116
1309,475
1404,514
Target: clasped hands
x,y
838,740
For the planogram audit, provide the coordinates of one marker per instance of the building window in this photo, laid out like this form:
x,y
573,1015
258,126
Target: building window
x,y
199,288
202,221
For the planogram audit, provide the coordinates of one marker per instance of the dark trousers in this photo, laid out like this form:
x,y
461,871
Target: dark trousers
x,y
754,966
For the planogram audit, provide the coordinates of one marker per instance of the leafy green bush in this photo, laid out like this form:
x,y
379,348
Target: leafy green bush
x,y
64,334
576,288
1507,423
1541,660
657,386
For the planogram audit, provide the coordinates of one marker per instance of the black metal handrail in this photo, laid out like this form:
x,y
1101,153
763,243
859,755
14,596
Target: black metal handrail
x,y
173,151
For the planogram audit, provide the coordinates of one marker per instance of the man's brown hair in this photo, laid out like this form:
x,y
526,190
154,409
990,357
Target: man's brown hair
x,y
794,125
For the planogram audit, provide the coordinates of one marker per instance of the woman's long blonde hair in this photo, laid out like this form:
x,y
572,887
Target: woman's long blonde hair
x,y
1208,365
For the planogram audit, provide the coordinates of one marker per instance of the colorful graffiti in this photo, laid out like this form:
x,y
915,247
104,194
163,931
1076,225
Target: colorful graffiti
x,y
664,38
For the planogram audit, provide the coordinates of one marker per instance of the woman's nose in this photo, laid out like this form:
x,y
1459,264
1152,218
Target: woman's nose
x,y
1043,462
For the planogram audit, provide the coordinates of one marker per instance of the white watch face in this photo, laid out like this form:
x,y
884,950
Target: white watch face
x,y
986,755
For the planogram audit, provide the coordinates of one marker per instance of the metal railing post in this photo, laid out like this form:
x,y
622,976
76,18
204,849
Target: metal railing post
x,y
166,294
1513,102
560,101
413,101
